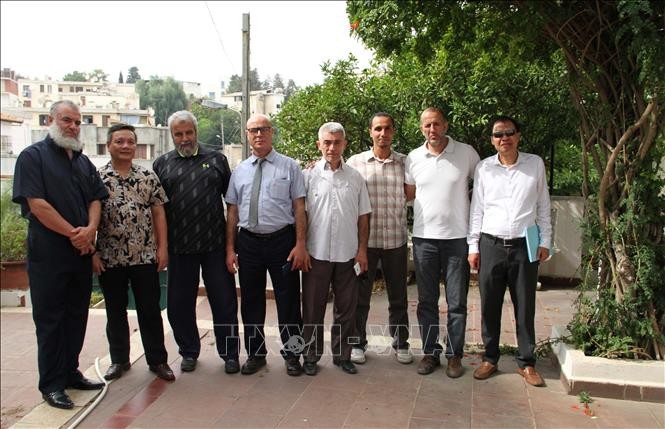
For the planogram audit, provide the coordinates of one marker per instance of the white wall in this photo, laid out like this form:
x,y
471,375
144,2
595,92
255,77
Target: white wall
x,y
566,218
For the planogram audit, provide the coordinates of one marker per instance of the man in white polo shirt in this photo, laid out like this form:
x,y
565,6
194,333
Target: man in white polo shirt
x,y
437,176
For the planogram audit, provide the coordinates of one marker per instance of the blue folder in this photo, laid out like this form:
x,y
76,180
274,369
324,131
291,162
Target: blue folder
x,y
532,236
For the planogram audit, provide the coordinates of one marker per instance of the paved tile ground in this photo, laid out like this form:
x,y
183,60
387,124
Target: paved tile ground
x,y
383,394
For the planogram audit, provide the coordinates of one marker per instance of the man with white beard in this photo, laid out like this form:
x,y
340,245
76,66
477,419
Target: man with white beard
x,y
59,191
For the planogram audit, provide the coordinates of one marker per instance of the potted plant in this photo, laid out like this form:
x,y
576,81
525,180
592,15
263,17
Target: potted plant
x,y
13,247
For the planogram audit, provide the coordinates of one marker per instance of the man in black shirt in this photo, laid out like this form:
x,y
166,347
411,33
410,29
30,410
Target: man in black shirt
x,y
59,191
195,180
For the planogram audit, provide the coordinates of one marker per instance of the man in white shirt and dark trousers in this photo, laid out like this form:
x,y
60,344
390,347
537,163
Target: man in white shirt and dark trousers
x,y
383,170
437,175
509,195
338,208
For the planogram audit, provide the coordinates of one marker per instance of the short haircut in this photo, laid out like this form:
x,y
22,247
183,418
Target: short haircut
x,y
118,127
381,115
434,110
56,106
331,127
185,116
503,118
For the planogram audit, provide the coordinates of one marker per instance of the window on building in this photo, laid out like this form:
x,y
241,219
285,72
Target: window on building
x,y
105,120
141,151
87,119
59,89
27,103
41,88
78,89
101,149
6,145
237,98
49,89
83,100
26,91
43,120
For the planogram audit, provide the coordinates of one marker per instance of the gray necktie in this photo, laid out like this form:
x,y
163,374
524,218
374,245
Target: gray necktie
x,y
256,188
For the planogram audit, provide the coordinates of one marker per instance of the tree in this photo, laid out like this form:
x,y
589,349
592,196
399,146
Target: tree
x,y
75,76
165,96
290,89
97,75
235,82
210,126
133,75
277,82
614,58
120,79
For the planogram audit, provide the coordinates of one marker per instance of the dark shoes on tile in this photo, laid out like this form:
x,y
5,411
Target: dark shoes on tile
x,y
253,364
58,399
428,364
231,366
293,367
83,383
163,371
347,366
116,370
454,368
188,364
484,371
311,368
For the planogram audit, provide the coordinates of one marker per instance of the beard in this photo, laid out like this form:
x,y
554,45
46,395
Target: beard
x,y
72,143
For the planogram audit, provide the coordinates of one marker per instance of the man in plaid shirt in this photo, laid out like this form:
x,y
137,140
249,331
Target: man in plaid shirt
x,y
383,170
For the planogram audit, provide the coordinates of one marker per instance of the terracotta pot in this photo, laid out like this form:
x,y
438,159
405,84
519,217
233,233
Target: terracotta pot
x,y
14,275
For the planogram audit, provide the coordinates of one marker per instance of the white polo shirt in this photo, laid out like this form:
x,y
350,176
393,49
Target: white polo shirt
x,y
441,207
335,200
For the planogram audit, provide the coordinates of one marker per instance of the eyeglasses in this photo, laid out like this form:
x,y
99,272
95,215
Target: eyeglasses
x,y
257,129
502,134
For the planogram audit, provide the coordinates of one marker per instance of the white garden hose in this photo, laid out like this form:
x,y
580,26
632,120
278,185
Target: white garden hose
x,y
98,399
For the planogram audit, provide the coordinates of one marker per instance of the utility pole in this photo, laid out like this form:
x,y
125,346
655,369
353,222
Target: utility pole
x,y
245,84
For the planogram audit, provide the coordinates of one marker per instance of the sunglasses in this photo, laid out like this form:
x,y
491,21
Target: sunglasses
x,y
257,129
502,134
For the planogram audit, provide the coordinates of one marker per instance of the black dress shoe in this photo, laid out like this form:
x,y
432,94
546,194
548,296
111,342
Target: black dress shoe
x,y
85,384
253,364
116,370
347,366
311,368
293,367
231,366
58,399
188,364
163,371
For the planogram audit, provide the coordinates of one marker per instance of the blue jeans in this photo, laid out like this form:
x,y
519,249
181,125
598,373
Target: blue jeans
x,y
434,258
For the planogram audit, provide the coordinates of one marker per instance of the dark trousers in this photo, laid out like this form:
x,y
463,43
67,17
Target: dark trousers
x,y
316,284
257,255
393,267
144,280
432,259
60,301
502,266
184,271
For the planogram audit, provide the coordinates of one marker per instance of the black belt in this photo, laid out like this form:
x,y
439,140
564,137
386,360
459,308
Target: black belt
x,y
505,242
268,236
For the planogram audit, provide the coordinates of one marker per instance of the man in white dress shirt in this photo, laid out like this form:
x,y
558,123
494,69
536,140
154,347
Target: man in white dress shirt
x,y
509,195
338,209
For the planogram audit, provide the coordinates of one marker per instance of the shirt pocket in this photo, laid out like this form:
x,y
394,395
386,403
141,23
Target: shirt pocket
x,y
280,189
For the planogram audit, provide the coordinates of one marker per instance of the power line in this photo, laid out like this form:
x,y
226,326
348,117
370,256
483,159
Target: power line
x,y
219,37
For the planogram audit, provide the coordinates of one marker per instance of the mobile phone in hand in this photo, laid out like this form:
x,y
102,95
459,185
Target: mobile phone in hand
x,y
286,268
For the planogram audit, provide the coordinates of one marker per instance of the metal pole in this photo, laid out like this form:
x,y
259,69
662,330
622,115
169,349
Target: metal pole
x,y
245,84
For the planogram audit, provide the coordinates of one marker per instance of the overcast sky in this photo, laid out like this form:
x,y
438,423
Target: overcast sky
x,y
179,39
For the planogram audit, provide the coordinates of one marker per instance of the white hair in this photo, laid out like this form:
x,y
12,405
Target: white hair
x,y
333,128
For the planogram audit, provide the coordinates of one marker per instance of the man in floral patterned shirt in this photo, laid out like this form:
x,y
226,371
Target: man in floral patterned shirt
x,y
132,247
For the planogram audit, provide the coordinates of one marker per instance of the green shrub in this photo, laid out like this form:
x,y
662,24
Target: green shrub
x,y
13,246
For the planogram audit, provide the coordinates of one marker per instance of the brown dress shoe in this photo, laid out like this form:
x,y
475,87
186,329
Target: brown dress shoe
x,y
428,365
163,371
455,368
484,371
531,376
